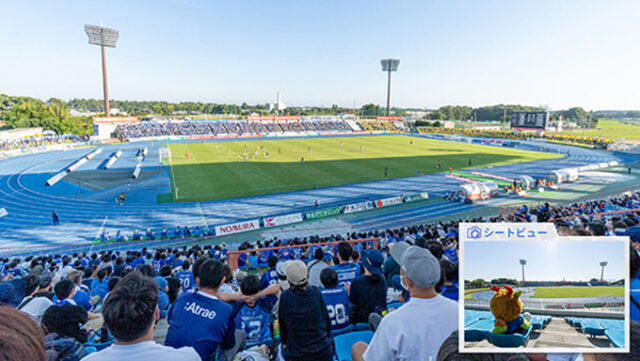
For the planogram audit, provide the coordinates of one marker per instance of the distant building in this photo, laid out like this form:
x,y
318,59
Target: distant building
x,y
448,124
413,115
277,106
76,113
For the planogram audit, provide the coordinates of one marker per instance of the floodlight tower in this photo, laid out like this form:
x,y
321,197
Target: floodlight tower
x,y
389,65
99,35
603,264
523,262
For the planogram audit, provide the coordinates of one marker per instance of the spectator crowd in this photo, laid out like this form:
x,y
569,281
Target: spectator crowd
x,y
289,299
232,127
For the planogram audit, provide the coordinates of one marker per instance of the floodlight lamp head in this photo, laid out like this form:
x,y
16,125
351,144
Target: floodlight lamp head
x,y
523,262
603,263
390,64
99,35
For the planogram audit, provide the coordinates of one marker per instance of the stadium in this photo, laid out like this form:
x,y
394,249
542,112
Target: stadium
x,y
191,230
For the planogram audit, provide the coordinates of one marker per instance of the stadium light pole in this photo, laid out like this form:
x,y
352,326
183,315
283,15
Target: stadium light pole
x,y
389,65
102,36
523,262
603,264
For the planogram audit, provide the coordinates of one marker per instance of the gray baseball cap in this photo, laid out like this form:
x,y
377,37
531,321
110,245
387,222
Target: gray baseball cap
x,y
417,263
296,271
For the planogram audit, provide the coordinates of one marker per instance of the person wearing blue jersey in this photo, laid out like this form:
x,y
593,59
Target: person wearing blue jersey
x,y
254,316
347,271
270,277
202,321
157,262
185,276
449,279
252,261
99,286
131,312
80,297
263,259
336,299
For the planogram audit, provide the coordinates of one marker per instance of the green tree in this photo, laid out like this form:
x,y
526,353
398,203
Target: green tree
x,y
369,110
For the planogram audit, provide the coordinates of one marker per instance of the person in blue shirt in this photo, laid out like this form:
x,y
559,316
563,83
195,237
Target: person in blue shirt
x,y
449,278
12,269
270,277
164,234
150,235
263,259
99,286
253,260
202,321
254,317
336,299
185,276
80,297
177,233
157,262
346,271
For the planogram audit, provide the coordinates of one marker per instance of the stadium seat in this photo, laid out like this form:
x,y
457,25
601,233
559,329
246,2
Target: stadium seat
x,y
394,306
99,346
90,349
342,330
538,322
344,343
361,327
616,336
511,340
593,327
477,331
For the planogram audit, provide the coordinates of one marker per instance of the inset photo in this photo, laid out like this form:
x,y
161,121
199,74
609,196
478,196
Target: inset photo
x,y
563,295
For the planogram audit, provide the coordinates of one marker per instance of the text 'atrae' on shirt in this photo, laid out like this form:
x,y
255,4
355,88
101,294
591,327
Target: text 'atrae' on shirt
x,y
203,322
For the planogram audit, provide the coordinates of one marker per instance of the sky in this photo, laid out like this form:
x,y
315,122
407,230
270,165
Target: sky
x,y
548,53
546,260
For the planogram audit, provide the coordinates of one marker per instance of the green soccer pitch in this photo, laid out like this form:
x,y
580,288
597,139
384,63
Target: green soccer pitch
x,y
218,170
573,292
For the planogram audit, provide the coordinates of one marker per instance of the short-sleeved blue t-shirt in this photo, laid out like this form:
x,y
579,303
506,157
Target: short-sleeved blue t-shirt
x,y
203,322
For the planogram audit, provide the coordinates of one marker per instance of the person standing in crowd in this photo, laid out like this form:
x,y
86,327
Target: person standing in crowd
x,y
202,321
55,218
369,291
316,267
347,271
305,326
131,312
336,298
393,340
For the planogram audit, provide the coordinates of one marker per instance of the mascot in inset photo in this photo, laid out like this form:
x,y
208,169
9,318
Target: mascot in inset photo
x,y
507,308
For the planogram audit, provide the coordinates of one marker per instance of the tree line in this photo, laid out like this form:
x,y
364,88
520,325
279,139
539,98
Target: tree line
x,y
20,111
26,112
503,112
